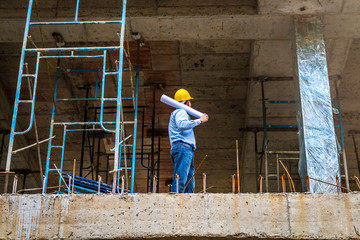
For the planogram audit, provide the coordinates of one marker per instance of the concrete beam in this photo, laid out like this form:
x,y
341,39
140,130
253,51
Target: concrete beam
x,y
310,216
337,51
314,7
187,28
273,58
280,7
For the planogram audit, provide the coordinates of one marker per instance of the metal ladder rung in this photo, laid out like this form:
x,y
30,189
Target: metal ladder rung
x,y
115,99
111,73
126,145
75,23
25,101
128,168
57,147
281,126
129,122
52,170
110,99
29,75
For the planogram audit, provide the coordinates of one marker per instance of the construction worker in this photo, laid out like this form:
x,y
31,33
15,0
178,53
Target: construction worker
x,y
183,144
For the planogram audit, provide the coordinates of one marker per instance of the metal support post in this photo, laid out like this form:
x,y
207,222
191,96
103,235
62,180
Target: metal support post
x,y
74,167
152,141
17,97
118,105
266,172
83,135
132,189
237,166
343,146
98,155
35,125
256,159
47,165
62,157
278,172
356,153
158,164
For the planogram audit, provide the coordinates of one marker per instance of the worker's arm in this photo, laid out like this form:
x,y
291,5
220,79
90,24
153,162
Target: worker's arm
x,y
183,122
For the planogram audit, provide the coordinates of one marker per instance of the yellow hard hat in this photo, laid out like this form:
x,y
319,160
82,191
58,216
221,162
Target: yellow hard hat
x,y
182,95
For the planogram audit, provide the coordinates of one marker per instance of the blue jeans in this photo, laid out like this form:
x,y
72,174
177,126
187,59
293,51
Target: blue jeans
x,y
182,158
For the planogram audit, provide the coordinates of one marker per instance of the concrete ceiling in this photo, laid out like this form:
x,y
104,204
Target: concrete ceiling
x,y
216,49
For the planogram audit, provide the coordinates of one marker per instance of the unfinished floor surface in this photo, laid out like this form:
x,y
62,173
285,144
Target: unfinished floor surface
x,y
132,216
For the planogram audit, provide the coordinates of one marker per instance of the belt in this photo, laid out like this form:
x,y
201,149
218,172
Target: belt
x,y
179,141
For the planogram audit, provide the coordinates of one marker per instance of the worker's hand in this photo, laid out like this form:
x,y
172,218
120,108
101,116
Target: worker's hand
x,y
204,118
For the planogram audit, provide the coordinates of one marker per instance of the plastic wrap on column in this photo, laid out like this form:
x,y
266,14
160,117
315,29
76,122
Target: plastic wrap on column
x,y
318,150
171,102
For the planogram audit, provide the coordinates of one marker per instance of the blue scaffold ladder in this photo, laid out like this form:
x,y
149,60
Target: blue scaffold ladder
x,y
69,126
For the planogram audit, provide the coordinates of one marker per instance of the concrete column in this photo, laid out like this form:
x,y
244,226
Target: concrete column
x,y
319,157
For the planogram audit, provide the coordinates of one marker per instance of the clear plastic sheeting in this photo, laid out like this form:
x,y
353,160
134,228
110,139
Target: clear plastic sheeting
x,y
319,157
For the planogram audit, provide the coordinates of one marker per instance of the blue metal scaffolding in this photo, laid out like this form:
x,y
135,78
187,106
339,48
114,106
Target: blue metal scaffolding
x,y
266,127
68,127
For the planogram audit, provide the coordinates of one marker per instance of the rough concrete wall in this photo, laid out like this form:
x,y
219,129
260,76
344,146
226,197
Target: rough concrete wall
x,y
313,216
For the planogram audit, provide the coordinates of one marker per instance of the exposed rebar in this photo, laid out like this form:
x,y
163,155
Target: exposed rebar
x,y
154,184
99,183
15,184
233,182
330,184
204,182
195,173
261,178
292,187
283,182
73,176
237,166
177,183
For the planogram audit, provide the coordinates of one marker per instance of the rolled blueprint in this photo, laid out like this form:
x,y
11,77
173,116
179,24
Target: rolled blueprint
x,y
171,102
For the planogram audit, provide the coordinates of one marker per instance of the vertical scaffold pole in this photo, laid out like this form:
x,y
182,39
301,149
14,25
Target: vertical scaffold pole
x,y
51,131
135,131
17,96
77,10
62,159
343,146
118,105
